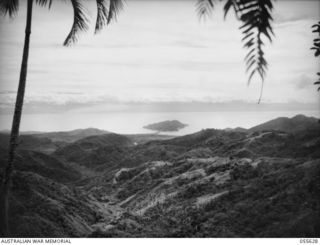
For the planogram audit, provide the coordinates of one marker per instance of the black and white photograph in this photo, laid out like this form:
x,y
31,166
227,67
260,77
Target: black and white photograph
x,y
159,119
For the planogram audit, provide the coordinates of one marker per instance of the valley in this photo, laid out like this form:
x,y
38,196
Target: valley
x,y
258,182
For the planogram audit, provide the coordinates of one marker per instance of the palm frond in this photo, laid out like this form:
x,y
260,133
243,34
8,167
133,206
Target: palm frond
x,y
44,3
316,47
9,7
204,8
228,5
80,22
114,8
256,18
318,82
316,41
102,15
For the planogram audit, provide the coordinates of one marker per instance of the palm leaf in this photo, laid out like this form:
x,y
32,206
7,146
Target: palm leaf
x,y
9,7
318,83
316,47
228,5
44,3
256,18
80,22
204,8
114,8
316,41
102,15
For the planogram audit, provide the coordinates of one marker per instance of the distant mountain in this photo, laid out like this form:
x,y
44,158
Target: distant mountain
x,y
64,136
166,126
93,150
290,125
69,136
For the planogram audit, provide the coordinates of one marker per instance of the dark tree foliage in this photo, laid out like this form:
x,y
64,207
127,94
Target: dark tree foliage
x,y
316,48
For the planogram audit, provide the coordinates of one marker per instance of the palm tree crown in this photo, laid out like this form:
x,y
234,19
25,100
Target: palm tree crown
x,y
106,11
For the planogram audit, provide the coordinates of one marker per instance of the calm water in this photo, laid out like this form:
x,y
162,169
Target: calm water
x,y
129,123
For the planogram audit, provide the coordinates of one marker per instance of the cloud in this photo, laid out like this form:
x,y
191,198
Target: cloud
x,y
69,93
281,19
160,55
75,108
304,81
292,11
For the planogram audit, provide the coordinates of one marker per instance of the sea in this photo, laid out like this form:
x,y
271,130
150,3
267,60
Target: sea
x,y
132,123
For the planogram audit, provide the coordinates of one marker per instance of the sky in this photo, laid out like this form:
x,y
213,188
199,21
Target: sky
x,y
157,53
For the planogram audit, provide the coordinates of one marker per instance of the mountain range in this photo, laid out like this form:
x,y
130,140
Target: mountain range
x,y
289,125
257,182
